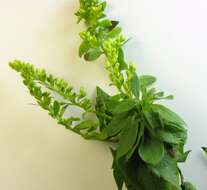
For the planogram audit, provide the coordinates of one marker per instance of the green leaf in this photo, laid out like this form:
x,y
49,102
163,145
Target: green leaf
x,y
121,59
188,186
117,172
151,150
129,170
124,106
118,123
92,55
170,133
204,149
183,157
112,102
105,23
170,97
146,80
135,85
170,136
139,136
152,118
151,93
174,127
161,96
167,115
167,169
101,107
99,135
106,103
177,151
56,107
101,98
118,177
84,47
127,139
85,125
114,32
114,24
151,182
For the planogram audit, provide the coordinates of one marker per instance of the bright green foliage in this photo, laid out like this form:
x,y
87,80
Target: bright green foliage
x,y
148,138
146,130
56,96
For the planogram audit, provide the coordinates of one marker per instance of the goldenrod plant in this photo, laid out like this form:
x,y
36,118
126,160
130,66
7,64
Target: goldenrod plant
x,y
147,138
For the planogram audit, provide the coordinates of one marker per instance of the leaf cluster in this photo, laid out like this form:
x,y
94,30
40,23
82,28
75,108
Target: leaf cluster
x,y
57,96
148,137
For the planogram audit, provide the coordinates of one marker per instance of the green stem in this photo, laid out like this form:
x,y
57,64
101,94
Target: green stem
x,y
181,177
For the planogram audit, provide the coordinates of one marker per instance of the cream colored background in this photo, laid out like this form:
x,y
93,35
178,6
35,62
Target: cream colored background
x,y
168,40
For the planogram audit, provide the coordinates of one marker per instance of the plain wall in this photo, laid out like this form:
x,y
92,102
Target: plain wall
x,y
169,40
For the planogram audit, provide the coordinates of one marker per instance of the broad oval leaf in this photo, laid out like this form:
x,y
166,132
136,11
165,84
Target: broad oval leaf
x,y
175,127
92,55
151,150
124,106
169,136
149,181
167,169
167,115
139,137
127,139
112,102
152,119
118,123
